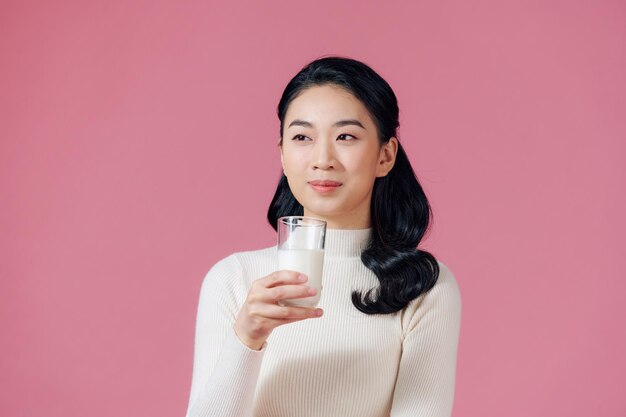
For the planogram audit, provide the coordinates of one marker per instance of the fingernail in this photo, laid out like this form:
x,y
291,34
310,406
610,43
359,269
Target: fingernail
x,y
311,290
319,312
301,278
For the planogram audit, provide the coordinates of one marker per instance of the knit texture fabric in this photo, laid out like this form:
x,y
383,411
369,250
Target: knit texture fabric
x,y
345,363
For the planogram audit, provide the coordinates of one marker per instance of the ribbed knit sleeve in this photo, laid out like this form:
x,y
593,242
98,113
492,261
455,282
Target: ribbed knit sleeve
x,y
426,377
225,371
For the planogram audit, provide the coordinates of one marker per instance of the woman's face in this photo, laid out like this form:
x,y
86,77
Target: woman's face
x,y
331,156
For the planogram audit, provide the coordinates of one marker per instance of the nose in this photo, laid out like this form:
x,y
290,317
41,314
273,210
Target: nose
x,y
323,157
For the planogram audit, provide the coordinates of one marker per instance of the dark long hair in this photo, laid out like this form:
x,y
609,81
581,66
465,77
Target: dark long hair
x,y
400,211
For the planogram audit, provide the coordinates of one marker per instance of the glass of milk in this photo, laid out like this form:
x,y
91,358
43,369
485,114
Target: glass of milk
x,y
301,249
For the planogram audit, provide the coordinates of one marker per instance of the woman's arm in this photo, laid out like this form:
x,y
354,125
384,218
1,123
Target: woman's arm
x,y
427,373
232,325
225,371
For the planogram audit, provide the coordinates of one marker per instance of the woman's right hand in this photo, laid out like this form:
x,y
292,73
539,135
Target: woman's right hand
x,y
262,313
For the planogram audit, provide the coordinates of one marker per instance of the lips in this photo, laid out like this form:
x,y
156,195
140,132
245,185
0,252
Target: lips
x,y
325,186
325,183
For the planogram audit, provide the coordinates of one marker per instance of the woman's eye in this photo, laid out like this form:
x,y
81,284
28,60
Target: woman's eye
x,y
345,136
300,138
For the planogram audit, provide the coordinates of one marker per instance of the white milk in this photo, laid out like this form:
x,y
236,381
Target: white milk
x,y
308,262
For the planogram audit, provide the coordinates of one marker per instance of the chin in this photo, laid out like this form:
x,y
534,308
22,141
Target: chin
x,y
324,212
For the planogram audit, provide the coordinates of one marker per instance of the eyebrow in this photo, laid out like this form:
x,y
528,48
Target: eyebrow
x,y
340,123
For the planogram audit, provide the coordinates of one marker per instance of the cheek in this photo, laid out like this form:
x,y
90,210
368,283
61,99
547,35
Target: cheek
x,y
292,162
362,164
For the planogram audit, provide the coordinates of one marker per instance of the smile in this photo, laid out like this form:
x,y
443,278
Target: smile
x,y
324,186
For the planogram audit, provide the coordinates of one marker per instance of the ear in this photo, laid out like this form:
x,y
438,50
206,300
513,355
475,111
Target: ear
x,y
387,157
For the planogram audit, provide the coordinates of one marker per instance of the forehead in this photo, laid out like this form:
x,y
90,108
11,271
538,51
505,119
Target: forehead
x,y
327,103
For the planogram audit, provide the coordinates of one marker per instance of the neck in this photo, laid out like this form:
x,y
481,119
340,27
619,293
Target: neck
x,y
353,221
346,243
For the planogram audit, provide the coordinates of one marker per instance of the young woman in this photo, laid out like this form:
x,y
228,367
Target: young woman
x,y
384,340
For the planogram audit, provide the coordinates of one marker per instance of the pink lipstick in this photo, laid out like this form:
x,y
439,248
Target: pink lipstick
x,y
324,186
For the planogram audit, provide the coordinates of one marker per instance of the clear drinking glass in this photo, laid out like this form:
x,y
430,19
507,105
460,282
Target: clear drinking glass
x,y
301,249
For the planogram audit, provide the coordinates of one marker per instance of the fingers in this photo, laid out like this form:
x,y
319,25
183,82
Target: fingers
x,y
282,292
262,311
280,285
255,322
282,278
284,313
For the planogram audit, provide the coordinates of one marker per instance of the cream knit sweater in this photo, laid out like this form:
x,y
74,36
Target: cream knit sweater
x,y
345,363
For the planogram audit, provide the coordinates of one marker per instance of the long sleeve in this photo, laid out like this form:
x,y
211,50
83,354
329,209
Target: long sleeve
x,y
426,377
225,371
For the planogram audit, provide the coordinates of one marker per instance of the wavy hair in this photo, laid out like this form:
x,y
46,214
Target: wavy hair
x,y
400,213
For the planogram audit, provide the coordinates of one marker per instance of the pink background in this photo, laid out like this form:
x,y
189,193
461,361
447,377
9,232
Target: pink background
x,y
138,148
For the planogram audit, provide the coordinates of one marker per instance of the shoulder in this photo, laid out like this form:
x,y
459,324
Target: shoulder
x,y
256,259
446,286
236,271
441,303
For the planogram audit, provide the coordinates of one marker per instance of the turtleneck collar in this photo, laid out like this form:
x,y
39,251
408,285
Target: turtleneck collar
x,y
346,243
